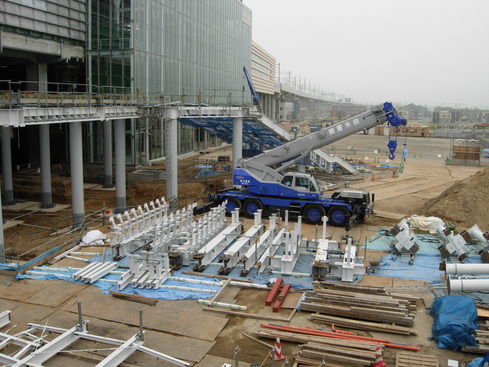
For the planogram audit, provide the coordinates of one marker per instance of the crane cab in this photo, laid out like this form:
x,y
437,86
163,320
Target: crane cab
x,y
300,185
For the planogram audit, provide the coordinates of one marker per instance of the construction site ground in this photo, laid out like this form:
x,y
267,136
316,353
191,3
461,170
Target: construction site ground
x,y
183,329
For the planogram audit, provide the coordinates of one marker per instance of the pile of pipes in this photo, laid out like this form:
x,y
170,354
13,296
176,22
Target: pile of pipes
x,y
467,277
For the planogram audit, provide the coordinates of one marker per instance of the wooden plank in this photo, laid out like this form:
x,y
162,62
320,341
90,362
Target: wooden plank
x,y
226,283
135,298
408,360
351,352
313,362
349,361
362,325
303,338
249,315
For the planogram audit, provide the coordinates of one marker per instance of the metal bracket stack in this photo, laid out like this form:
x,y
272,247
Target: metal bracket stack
x,y
482,238
453,244
404,241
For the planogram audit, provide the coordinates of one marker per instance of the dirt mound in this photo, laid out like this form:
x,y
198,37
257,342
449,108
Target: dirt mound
x,y
463,204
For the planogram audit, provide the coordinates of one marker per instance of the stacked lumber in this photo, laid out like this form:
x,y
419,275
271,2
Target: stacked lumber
x,y
343,356
482,338
350,301
315,349
362,325
407,360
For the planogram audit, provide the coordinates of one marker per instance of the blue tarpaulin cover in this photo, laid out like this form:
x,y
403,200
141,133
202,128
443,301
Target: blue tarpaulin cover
x,y
455,321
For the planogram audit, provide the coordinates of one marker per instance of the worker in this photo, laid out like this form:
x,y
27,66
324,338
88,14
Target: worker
x,y
404,154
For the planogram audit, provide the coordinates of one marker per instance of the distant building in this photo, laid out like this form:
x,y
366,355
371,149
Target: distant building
x,y
410,131
442,117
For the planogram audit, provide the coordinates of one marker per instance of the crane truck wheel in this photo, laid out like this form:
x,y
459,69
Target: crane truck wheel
x,y
232,204
251,206
313,213
338,216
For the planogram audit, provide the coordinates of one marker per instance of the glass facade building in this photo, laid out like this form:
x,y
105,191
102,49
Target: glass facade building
x,y
188,51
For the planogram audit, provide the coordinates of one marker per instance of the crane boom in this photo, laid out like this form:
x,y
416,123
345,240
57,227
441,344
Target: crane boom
x,y
268,165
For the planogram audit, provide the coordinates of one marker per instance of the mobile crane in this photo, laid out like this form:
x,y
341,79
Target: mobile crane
x,y
260,183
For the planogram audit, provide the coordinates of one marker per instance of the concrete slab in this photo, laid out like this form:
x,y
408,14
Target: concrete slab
x,y
56,208
34,206
166,316
21,206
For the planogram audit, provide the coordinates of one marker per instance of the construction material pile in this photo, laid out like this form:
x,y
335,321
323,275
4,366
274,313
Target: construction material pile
x,y
464,203
346,304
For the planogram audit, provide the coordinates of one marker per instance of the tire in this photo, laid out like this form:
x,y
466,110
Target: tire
x,y
338,216
314,213
232,204
251,206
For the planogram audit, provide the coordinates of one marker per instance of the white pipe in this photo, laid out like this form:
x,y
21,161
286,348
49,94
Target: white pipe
x,y
196,281
248,285
221,304
187,289
468,285
467,268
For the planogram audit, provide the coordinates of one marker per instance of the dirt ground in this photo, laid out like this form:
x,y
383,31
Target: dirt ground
x,y
426,186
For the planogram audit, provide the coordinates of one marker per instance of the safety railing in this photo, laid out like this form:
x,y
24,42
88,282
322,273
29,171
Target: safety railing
x,y
14,95
44,251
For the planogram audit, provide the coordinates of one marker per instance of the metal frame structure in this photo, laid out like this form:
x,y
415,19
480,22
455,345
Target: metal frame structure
x,y
33,350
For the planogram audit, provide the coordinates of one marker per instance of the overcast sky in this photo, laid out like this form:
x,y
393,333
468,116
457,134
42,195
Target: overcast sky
x,y
428,52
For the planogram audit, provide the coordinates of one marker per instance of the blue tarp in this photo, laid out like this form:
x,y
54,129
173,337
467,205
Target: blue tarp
x,y
303,266
455,321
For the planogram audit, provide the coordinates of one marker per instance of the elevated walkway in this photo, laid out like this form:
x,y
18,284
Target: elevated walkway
x,y
322,159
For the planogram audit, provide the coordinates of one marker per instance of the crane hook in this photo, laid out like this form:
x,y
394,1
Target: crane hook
x,y
392,145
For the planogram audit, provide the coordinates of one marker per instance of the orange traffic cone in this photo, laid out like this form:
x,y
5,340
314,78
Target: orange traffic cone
x,y
277,351
373,177
379,361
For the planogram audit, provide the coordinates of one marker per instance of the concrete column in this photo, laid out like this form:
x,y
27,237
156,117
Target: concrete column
x,y
237,140
76,166
8,186
172,158
120,166
46,193
108,154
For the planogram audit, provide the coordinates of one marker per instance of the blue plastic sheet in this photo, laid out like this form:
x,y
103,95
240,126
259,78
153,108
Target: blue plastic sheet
x,y
455,321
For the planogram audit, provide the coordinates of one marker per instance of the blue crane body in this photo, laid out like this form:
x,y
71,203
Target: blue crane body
x,y
260,184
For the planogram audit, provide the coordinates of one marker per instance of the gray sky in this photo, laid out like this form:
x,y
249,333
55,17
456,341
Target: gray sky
x,y
428,52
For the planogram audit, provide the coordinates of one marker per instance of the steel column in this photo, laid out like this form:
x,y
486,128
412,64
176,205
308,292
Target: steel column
x,y
8,186
237,140
171,158
46,193
120,166
76,165
108,154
